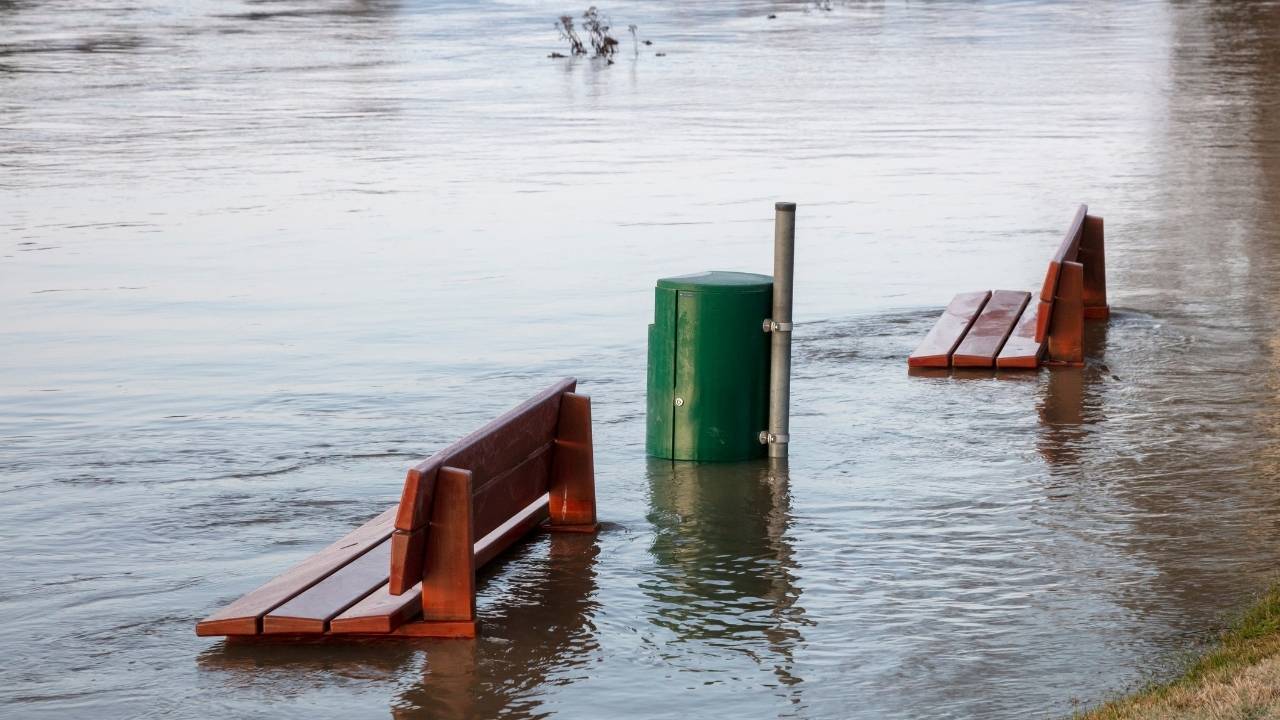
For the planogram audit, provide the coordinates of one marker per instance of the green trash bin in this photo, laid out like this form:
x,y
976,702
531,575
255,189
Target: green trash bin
x,y
708,394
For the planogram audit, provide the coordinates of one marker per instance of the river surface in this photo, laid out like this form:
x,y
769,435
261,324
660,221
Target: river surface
x,y
257,257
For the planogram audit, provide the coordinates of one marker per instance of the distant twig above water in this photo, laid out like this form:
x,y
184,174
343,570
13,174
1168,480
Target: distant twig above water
x,y
596,26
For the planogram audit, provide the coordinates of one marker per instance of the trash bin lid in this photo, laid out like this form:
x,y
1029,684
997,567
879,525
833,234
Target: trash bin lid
x,y
718,281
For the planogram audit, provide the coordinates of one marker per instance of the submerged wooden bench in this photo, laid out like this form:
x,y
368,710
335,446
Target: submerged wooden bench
x,y
1010,329
410,571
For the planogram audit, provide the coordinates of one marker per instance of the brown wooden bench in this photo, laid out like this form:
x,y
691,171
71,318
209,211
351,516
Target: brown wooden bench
x,y
410,571
1010,329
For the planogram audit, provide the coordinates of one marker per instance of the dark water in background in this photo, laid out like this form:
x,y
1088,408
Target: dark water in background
x,y
256,257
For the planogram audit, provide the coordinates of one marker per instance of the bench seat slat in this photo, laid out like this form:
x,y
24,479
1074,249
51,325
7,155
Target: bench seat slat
x,y
517,526
1023,350
379,612
382,612
311,611
244,616
936,348
990,331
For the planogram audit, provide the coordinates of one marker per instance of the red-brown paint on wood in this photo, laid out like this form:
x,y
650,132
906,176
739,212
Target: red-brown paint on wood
x,y
1066,327
408,553
244,616
1044,313
573,475
512,491
1022,350
414,509
488,451
1066,252
449,582
437,629
508,533
311,610
379,612
984,340
936,348
1092,255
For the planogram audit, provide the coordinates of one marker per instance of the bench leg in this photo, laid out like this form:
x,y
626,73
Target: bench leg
x,y
572,489
1066,326
449,578
1092,255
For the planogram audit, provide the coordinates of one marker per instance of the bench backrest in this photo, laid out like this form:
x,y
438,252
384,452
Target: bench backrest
x,y
1068,250
510,461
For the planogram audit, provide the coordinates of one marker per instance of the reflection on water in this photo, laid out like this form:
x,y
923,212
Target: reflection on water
x,y
257,256
725,571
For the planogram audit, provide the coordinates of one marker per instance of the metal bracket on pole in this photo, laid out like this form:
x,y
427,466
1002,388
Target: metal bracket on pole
x,y
768,438
771,326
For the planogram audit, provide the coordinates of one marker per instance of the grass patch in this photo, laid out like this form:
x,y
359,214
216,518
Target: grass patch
x,y
1238,678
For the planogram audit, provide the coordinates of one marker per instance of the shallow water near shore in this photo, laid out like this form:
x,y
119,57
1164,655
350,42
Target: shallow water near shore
x,y
258,257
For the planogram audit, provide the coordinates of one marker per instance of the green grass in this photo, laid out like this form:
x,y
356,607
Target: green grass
x,y
1237,678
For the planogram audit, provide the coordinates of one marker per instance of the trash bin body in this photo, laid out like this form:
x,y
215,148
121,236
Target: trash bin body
x,y
708,381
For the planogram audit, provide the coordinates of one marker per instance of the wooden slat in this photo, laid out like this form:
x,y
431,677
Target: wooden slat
x,y
1066,252
489,451
1022,350
511,492
244,616
311,611
982,343
379,612
383,612
506,534
936,348
408,553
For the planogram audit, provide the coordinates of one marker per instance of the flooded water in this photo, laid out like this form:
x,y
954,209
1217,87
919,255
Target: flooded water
x,y
257,257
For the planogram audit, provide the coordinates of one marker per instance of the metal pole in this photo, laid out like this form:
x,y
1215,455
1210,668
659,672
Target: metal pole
x,y
784,250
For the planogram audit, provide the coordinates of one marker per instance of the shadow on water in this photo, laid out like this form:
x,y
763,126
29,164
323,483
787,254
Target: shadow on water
x,y
725,561
537,629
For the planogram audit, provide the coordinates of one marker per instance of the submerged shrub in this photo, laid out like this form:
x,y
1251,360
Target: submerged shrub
x,y
596,26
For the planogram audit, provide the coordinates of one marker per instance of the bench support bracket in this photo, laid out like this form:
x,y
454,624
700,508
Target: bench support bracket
x,y
572,489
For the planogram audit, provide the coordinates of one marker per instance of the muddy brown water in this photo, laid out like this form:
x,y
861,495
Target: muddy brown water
x,y
257,257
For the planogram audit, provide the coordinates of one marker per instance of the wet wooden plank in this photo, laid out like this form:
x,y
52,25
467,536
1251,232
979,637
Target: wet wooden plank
x,y
984,340
311,611
494,449
379,612
244,616
408,554
382,612
936,348
515,527
1066,252
511,492
1022,350
487,452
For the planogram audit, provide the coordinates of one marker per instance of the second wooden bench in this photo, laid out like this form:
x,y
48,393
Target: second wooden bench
x,y
1010,329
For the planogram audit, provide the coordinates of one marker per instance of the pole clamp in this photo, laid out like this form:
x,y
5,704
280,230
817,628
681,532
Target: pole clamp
x,y
768,438
771,326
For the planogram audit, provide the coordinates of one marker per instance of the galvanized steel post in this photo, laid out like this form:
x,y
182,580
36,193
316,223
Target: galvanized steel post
x,y
784,248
